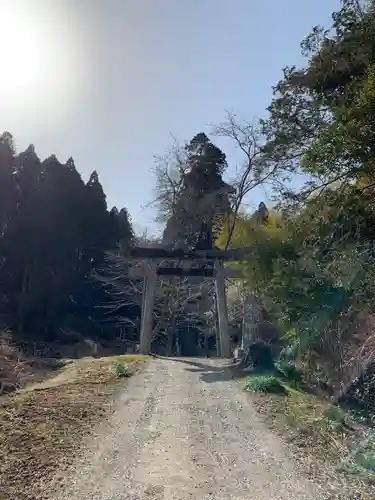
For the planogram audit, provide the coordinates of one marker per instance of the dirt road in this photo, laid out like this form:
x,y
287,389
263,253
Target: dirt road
x,y
183,429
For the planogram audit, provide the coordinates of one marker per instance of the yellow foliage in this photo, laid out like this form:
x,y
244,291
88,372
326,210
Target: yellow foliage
x,y
246,229
264,237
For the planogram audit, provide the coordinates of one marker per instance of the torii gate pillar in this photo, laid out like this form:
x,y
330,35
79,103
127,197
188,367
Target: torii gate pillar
x,y
222,311
148,308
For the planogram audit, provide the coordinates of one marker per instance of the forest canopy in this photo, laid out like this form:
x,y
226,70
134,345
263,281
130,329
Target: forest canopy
x,y
55,230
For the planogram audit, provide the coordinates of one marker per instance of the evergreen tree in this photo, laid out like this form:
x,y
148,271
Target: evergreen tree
x,y
204,197
322,116
54,232
8,203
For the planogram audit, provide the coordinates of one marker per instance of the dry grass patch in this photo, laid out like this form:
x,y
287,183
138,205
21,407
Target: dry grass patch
x,y
41,425
307,421
319,437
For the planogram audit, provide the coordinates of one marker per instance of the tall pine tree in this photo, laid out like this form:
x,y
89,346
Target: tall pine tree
x,y
54,231
204,198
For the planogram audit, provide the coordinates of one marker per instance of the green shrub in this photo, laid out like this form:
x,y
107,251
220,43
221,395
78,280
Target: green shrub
x,y
332,419
120,369
367,461
290,372
264,383
335,414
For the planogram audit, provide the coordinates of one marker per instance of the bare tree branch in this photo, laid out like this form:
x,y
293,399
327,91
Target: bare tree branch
x,y
254,171
169,170
124,281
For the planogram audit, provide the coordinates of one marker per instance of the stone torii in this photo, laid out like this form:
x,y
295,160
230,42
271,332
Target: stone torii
x,y
152,258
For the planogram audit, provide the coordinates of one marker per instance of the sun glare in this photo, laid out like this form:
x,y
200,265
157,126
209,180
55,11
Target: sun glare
x,y
19,51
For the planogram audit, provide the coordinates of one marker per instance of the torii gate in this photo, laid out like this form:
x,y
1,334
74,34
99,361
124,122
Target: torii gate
x,y
154,256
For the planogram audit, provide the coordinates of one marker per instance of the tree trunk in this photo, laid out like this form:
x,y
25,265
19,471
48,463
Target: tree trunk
x,y
206,344
170,341
171,336
22,300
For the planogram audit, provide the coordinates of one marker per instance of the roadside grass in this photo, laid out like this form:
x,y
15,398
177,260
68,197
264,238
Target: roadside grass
x,y
264,383
41,425
120,368
322,437
361,461
313,419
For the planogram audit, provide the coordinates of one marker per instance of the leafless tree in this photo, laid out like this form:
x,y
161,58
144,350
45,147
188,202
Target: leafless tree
x,y
124,282
180,298
169,170
254,169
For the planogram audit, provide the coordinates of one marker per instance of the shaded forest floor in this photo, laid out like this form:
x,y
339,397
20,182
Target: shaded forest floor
x,y
17,369
41,426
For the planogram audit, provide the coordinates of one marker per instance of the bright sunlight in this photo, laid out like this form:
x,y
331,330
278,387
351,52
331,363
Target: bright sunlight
x,y
20,54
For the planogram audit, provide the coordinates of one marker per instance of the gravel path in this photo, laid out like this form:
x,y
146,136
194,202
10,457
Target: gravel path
x,y
183,429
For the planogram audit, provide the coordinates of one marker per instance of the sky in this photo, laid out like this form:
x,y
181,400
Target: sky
x,y
111,82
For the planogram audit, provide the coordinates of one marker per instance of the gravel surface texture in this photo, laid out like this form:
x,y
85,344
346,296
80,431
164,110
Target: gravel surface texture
x,y
183,429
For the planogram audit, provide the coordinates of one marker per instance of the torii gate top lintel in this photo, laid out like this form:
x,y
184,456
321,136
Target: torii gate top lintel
x,y
180,254
155,255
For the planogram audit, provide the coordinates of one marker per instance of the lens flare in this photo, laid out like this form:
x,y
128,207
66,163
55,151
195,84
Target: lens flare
x,y
19,51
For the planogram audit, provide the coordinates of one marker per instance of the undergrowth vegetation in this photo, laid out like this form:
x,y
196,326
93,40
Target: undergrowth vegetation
x,y
314,425
120,368
264,383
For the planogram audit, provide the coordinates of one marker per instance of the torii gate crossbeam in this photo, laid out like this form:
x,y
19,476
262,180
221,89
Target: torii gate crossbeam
x,y
152,256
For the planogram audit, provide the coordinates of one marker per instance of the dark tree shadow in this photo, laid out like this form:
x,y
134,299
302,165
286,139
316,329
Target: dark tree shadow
x,y
210,373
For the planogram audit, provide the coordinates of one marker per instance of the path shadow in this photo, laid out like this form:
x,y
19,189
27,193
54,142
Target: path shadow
x,y
229,371
210,373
